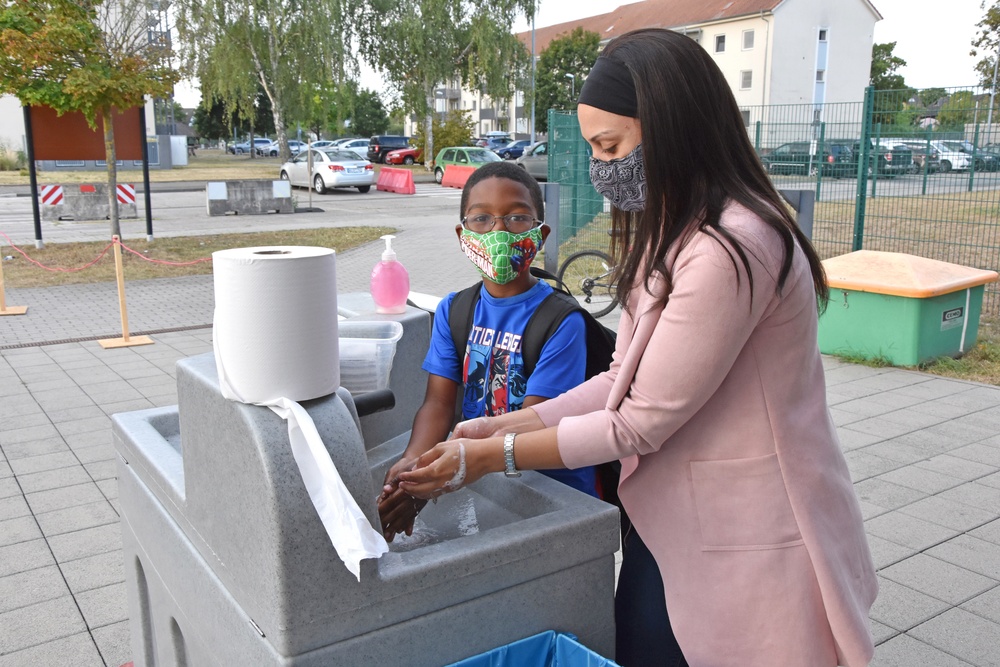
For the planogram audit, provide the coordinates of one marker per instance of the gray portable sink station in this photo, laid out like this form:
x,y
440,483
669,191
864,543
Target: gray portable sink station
x,y
227,562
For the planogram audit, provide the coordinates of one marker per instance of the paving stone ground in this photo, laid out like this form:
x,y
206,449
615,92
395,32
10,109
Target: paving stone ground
x,y
924,453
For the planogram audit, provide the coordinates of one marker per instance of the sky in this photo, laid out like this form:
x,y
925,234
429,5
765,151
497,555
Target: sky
x,y
933,37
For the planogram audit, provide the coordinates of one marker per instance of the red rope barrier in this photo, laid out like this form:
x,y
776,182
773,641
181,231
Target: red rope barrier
x,y
163,261
56,269
103,253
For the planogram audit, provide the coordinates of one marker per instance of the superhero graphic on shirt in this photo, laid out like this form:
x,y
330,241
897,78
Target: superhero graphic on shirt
x,y
494,380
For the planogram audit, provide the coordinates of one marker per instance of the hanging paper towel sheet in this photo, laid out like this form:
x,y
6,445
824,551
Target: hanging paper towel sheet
x,y
275,340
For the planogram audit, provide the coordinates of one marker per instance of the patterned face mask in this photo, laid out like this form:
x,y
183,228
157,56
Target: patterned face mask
x,y
622,181
499,255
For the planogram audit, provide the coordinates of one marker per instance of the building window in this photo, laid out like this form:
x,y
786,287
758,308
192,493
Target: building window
x,y
747,40
820,75
746,79
473,105
720,43
822,34
746,117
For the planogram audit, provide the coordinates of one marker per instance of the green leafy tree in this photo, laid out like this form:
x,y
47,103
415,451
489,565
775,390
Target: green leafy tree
x,y
86,56
891,92
456,130
929,96
957,111
420,44
368,116
884,65
574,54
986,43
287,47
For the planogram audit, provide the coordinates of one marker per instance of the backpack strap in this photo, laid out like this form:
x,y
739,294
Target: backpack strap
x,y
542,274
543,324
463,305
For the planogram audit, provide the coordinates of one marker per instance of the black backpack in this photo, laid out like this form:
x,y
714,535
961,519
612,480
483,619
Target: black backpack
x,y
541,326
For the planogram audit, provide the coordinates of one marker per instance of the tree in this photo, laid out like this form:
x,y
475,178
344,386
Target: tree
x,y
455,131
368,116
930,96
957,111
572,54
884,66
87,56
421,44
287,47
986,43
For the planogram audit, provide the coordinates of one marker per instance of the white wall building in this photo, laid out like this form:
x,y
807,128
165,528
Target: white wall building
x,y
772,52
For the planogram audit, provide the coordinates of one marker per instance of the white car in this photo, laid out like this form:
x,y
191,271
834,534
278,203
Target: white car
x,y
952,155
331,168
294,146
359,145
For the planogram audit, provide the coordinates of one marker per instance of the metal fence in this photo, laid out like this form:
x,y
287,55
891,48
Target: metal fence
x,y
915,172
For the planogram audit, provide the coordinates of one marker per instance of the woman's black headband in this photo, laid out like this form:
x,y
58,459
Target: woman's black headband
x,y
609,86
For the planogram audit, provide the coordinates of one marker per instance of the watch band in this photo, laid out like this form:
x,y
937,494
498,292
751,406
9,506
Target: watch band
x,y
510,470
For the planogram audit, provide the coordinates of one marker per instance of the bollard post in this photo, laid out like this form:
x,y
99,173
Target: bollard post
x,y
4,309
125,340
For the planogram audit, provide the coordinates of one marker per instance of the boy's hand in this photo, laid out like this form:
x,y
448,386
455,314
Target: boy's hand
x,y
480,428
397,512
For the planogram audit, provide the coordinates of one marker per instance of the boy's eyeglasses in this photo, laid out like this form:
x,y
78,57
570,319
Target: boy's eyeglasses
x,y
515,222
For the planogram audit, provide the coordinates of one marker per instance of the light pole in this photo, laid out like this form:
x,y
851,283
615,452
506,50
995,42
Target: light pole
x,y
572,86
532,79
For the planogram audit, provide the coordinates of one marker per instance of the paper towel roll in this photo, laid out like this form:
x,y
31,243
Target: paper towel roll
x,y
276,322
276,343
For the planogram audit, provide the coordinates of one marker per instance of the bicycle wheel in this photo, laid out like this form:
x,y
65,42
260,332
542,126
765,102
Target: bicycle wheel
x,y
587,275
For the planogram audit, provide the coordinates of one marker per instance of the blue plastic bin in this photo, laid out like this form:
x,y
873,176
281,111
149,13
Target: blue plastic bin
x,y
548,649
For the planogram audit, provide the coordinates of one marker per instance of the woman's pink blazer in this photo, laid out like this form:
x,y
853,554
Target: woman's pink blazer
x,y
731,468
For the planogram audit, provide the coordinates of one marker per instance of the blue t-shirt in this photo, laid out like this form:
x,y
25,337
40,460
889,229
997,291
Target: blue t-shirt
x,y
491,370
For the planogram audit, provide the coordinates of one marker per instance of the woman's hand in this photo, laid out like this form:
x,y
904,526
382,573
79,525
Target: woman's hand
x,y
449,466
519,421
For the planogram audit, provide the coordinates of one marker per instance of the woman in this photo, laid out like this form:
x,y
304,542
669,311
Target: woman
x,y
746,527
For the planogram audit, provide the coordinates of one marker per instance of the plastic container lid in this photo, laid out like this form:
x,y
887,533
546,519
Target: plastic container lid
x,y
899,274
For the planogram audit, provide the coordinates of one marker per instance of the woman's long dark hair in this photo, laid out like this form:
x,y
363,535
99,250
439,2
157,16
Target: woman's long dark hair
x,y
698,158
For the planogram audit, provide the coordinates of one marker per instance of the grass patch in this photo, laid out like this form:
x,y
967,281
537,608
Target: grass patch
x,y
19,272
980,364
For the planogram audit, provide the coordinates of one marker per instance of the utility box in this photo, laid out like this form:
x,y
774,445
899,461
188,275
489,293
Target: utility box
x,y
901,308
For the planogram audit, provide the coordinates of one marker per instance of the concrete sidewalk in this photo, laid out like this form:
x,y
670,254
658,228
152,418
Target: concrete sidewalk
x,y
924,453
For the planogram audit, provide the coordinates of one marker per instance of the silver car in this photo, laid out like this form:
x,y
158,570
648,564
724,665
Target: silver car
x,y
535,160
330,169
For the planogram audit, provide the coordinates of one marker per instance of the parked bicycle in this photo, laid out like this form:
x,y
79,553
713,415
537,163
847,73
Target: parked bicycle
x,y
588,276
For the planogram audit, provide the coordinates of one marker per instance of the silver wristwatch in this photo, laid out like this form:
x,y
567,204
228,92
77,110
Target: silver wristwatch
x,y
510,470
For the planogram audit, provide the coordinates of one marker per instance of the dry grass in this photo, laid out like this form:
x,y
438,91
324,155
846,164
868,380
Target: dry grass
x,y
208,165
20,272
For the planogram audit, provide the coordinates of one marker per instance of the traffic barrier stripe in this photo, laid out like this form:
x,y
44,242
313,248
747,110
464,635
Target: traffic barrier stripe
x,y
396,180
126,193
455,176
51,195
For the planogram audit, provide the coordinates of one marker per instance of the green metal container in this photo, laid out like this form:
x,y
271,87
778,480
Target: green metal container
x,y
901,308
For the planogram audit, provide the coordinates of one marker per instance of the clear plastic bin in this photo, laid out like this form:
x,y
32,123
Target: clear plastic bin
x,y
366,352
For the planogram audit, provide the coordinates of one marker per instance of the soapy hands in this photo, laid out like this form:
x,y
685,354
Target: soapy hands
x,y
449,466
397,509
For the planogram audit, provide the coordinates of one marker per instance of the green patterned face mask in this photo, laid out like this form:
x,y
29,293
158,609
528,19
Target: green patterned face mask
x,y
501,256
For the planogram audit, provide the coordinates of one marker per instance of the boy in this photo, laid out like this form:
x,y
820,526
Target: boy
x,y
500,232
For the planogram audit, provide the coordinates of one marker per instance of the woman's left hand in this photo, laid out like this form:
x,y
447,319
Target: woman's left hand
x,y
449,466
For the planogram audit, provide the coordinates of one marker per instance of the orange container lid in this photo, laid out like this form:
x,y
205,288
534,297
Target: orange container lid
x,y
899,274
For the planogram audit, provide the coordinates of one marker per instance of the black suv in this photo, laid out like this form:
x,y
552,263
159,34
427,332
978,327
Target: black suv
x,y
799,157
381,144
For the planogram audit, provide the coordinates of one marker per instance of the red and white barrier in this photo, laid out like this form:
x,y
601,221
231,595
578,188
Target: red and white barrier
x,y
126,193
50,195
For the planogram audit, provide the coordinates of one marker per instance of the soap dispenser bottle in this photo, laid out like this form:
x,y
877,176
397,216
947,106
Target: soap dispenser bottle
x,y
390,284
